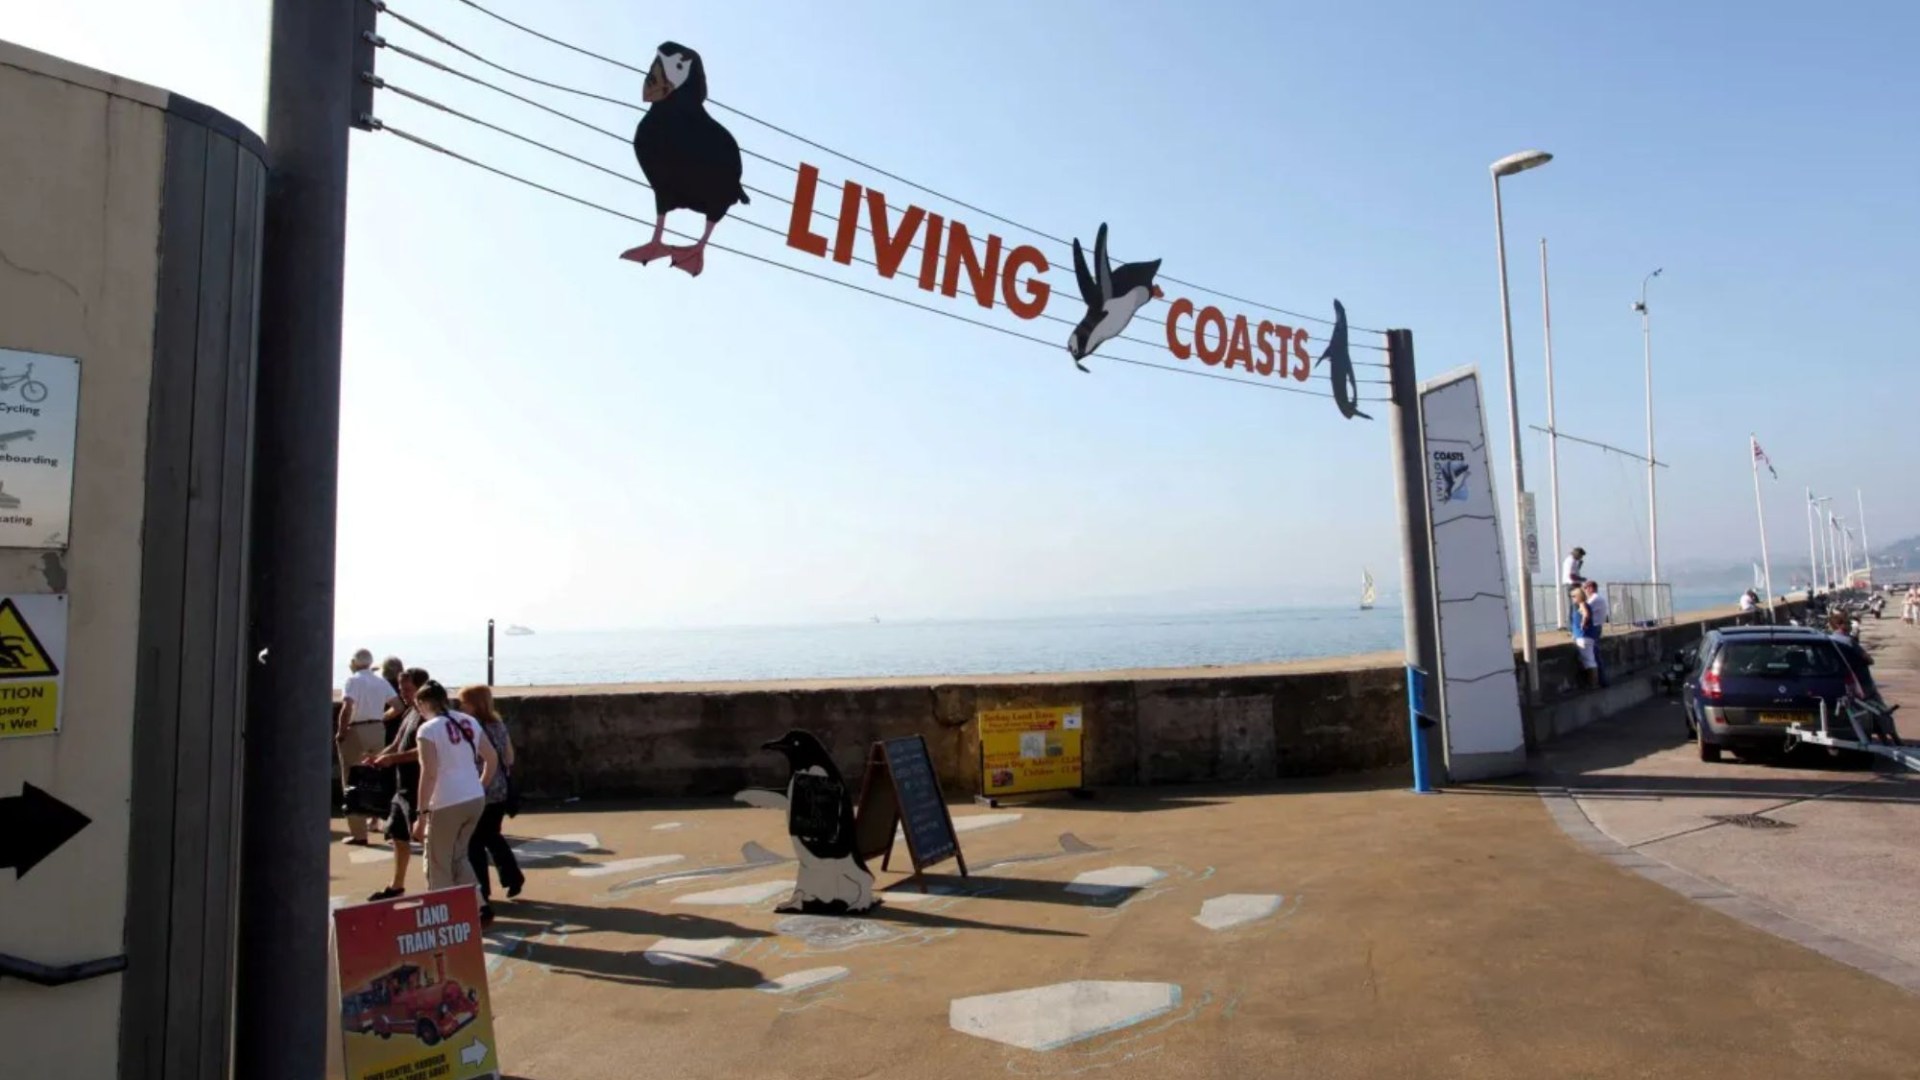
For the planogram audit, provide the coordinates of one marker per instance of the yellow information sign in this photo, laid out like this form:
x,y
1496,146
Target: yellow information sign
x,y
33,645
1027,750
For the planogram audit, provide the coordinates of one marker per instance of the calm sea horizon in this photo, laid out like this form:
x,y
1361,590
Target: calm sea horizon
x,y
930,647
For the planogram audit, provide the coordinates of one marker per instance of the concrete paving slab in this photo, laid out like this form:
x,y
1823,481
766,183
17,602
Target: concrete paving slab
x,y
1836,869
1460,936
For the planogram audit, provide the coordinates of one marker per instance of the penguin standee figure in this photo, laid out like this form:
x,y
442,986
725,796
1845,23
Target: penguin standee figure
x,y
1113,296
691,161
833,878
1346,387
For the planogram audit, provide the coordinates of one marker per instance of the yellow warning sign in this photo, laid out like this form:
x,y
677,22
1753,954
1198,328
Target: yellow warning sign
x,y
21,654
33,660
29,708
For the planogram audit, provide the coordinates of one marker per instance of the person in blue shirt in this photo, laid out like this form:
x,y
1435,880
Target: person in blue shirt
x,y
1586,638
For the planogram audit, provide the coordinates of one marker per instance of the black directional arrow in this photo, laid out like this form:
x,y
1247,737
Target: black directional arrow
x,y
33,824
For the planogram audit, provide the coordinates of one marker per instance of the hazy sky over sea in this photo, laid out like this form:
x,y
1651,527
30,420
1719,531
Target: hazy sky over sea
x,y
538,431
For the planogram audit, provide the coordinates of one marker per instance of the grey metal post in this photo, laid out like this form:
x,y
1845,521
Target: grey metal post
x,y
1529,648
489,652
281,1004
1862,500
1553,450
1417,605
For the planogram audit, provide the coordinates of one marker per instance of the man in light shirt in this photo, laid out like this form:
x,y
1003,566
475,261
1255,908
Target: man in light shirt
x,y
1598,610
364,701
1570,570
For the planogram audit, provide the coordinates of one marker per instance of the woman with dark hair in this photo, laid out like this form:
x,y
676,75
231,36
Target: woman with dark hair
x,y
402,755
456,761
487,839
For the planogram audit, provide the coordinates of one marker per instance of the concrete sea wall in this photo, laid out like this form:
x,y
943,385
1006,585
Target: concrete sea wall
x,y
1314,718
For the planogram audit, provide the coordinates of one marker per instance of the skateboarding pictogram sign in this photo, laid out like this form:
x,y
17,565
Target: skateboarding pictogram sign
x,y
33,656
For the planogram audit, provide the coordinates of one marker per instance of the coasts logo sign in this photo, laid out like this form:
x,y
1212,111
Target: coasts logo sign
x,y
1450,472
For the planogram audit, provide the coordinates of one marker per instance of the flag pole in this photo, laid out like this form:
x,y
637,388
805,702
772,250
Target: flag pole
x,y
1760,511
1813,551
1862,499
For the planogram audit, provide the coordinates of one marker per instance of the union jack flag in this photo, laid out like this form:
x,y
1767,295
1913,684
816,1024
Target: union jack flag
x,y
1760,458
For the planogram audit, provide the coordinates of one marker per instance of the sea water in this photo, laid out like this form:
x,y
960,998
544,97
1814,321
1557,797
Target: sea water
x,y
907,648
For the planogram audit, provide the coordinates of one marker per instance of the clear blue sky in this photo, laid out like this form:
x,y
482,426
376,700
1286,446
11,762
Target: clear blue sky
x,y
535,430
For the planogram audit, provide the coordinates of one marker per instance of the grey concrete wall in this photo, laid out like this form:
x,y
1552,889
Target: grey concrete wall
x,y
1207,725
81,154
1138,730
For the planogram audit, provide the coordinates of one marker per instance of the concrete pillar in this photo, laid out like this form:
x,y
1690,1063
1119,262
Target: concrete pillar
x,y
129,241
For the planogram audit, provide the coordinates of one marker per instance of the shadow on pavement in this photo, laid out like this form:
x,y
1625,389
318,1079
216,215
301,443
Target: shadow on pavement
x,y
628,966
1586,764
1029,890
894,913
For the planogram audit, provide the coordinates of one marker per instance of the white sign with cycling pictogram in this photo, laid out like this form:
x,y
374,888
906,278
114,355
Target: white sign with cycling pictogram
x,y
33,663
39,407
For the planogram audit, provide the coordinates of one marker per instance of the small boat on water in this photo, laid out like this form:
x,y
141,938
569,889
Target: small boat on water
x,y
518,631
1366,590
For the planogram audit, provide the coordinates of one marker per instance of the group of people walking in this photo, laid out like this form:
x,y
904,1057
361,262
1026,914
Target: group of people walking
x,y
450,770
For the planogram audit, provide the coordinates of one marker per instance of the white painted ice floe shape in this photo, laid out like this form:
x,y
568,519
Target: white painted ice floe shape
x,y
698,952
621,866
1050,1017
756,893
1237,909
1114,880
794,982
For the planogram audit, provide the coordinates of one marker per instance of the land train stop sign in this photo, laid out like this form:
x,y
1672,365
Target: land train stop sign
x,y
33,660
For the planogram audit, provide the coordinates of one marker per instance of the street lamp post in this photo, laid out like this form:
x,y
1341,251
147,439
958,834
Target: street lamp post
x,y
1653,501
1813,550
1507,166
1553,446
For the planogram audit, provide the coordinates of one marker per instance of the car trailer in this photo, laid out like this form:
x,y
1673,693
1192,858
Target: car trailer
x,y
1903,755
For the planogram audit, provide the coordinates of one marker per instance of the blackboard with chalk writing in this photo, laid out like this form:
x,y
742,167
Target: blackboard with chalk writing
x,y
902,790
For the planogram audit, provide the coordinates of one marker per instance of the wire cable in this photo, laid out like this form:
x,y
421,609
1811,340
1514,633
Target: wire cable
x,y
618,175
506,174
382,6
386,84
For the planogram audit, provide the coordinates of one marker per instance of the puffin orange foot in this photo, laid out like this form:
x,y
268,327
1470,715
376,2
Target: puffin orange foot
x,y
647,252
691,259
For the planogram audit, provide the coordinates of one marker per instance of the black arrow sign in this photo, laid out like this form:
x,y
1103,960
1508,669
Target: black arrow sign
x,y
33,824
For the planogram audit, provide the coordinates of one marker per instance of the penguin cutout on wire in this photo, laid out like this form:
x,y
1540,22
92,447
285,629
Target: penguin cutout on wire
x,y
692,162
1346,388
1113,296
833,878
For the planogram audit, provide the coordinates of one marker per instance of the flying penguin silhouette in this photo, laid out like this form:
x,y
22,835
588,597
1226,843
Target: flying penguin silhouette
x,y
692,162
833,878
1113,296
1346,388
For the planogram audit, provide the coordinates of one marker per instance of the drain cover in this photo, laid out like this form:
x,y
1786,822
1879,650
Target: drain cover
x,y
1750,821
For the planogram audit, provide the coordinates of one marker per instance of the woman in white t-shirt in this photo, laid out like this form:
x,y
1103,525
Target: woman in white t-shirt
x,y
456,761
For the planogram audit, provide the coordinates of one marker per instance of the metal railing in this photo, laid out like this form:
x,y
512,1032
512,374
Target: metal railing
x,y
1632,604
1638,604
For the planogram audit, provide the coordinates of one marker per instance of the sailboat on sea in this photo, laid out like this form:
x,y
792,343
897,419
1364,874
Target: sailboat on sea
x,y
1366,590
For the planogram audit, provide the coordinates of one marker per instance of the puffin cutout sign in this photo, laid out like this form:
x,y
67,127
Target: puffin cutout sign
x,y
1113,296
692,162
833,878
1346,387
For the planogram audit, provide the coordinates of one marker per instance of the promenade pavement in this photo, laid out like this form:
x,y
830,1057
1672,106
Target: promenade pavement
x,y
1333,929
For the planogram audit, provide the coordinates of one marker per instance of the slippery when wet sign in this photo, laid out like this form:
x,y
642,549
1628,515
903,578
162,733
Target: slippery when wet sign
x,y
33,658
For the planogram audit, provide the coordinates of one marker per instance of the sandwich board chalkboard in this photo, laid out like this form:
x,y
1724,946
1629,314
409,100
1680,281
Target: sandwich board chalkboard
x,y
900,789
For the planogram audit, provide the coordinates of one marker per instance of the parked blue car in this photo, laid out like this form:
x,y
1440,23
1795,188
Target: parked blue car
x,y
1751,682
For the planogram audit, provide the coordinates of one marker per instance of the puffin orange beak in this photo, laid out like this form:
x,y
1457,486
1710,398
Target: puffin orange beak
x,y
1157,294
657,87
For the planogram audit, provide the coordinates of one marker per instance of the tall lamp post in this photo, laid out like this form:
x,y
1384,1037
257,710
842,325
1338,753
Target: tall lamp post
x,y
1813,550
1653,502
1553,447
1507,166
